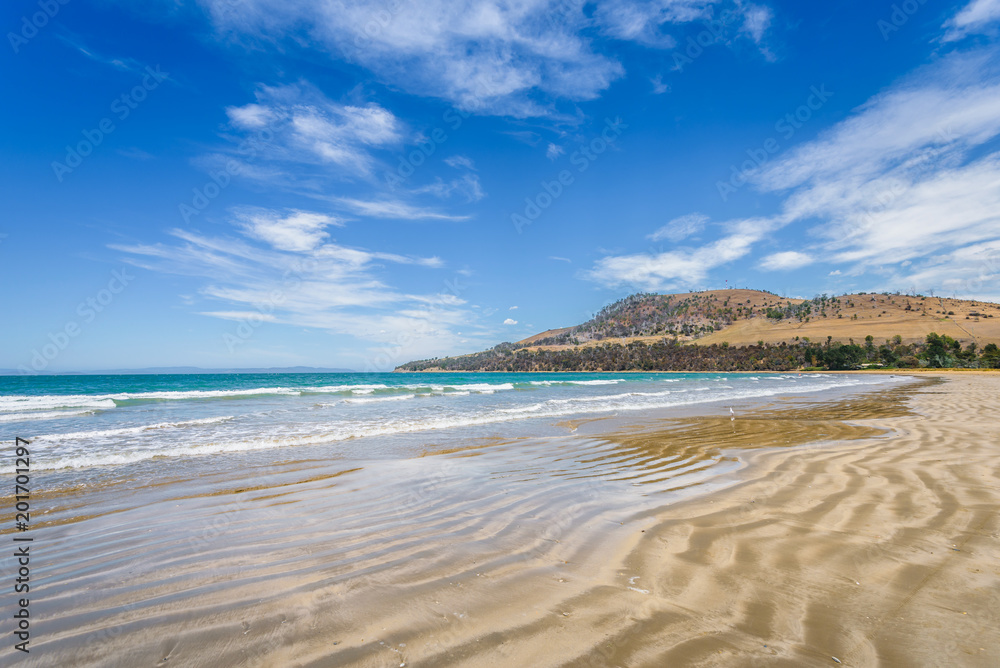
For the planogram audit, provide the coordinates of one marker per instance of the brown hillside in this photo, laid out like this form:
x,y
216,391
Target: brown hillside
x,y
740,317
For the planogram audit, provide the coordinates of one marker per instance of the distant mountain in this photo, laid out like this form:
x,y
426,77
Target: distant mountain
x,y
689,331
186,370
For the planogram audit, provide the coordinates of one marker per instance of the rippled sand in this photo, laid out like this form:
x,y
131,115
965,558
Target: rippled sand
x,y
785,537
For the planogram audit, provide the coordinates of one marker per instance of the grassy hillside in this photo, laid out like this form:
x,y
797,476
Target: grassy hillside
x,y
752,330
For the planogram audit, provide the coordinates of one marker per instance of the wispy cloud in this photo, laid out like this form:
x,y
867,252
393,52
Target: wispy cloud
x,y
460,162
134,153
298,278
395,209
659,88
681,228
294,138
906,177
466,187
907,187
977,17
296,231
123,64
785,261
309,128
756,21
680,268
240,315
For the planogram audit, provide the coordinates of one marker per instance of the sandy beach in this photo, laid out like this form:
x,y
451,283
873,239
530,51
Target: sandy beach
x,y
878,553
861,530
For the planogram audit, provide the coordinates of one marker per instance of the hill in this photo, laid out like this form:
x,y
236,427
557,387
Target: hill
x,y
756,329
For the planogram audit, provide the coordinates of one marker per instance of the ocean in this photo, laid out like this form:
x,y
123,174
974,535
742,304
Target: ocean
x,y
115,421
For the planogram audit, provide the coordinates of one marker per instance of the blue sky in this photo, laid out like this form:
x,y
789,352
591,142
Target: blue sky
x,y
232,183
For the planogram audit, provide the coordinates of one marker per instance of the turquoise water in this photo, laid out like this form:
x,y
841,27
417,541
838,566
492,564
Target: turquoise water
x,y
81,422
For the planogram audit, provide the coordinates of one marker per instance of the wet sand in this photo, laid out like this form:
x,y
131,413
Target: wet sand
x,y
864,529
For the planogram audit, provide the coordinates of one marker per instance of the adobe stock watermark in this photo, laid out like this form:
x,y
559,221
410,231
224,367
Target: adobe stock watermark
x,y
247,327
786,126
899,17
122,107
989,269
425,148
386,356
381,18
714,32
453,119
88,311
249,149
31,25
581,158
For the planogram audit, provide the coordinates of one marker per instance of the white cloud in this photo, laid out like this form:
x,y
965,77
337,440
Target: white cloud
x,y
296,231
554,151
295,138
835,272
395,209
489,56
121,64
307,127
467,187
975,18
681,228
688,268
645,21
510,321
785,261
659,88
241,315
756,21
972,271
512,308
460,162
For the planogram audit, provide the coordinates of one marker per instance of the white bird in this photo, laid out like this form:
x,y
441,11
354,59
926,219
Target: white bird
x,y
732,414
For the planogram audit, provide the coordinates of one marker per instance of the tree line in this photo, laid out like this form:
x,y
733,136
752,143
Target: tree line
x,y
937,351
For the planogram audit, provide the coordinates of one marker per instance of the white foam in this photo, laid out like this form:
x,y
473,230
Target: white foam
x,y
577,382
22,403
128,431
358,389
474,387
48,415
206,394
374,400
